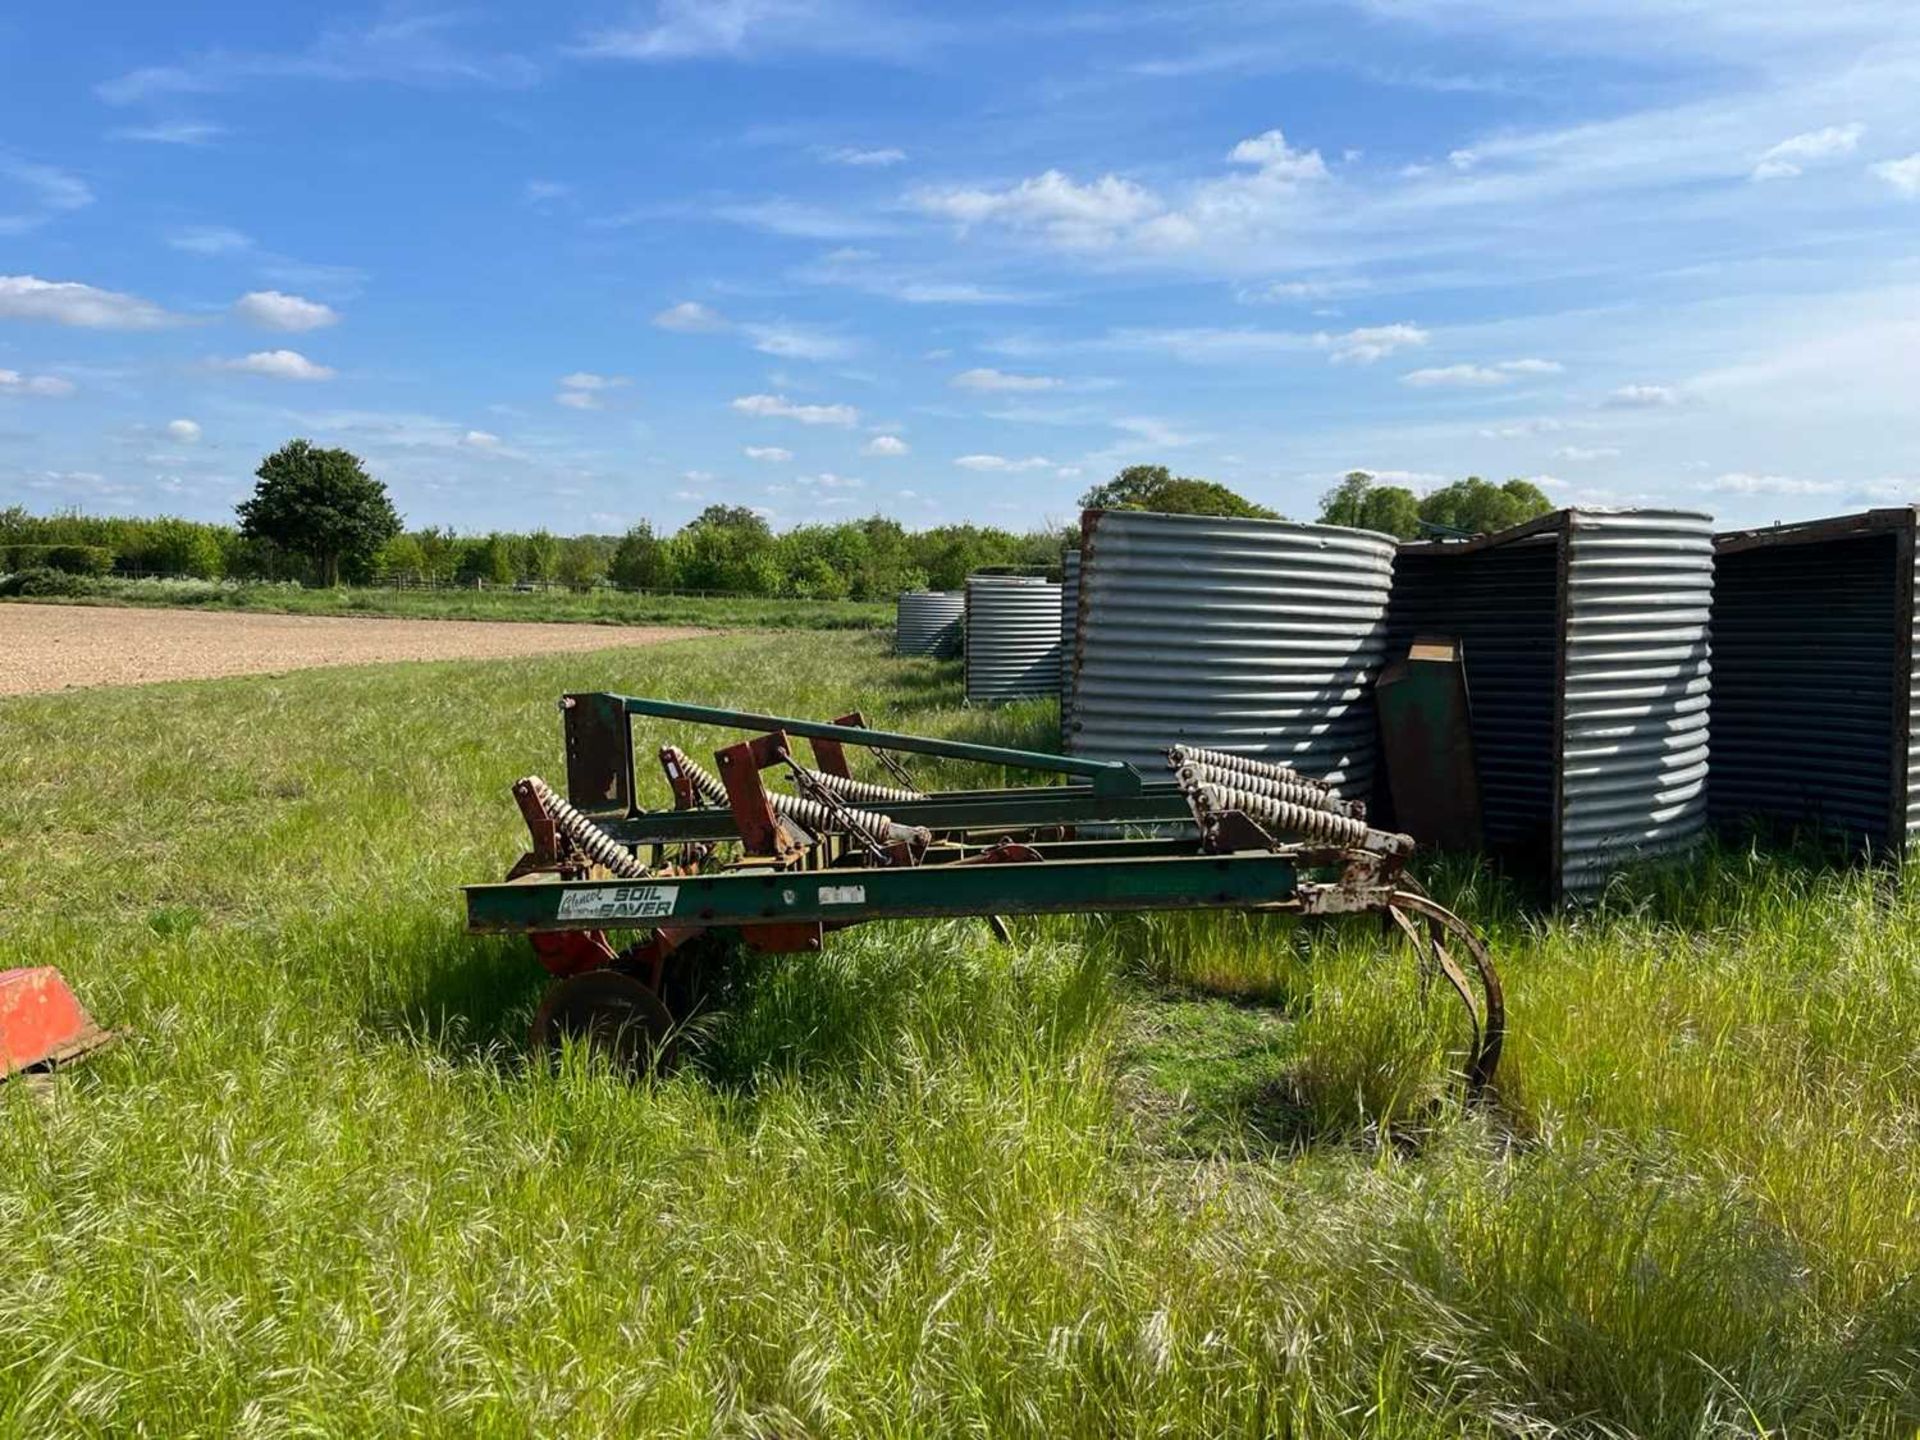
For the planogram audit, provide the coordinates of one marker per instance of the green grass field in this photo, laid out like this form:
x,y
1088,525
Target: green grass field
x,y
1168,1177
597,607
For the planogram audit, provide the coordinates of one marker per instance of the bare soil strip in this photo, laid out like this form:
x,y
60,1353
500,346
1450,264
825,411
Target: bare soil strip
x,y
61,647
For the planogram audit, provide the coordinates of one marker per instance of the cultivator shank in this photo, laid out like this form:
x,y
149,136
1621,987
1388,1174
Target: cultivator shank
x,y
781,868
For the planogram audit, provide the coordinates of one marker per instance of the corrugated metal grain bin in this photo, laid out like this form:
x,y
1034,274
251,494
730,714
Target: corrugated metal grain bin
x,y
1069,620
1254,636
1813,677
1013,637
1585,640
927,622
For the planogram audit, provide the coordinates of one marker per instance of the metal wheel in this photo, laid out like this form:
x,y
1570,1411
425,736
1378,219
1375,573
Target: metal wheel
x,y
614,1014
1487,1015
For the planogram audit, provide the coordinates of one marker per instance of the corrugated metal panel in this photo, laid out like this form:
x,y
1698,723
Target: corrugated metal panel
x,y
1812,629
1502,603
1069,622
1253,636
1585,640
1634,720
1013,637
927,622
1909,779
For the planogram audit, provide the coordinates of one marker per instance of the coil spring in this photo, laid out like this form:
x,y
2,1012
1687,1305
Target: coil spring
x,y
1294,819
1181,755
879,829
1293,791
599,846
864,790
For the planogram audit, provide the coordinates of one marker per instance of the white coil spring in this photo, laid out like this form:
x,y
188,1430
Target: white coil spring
x,y
1292,790
865,791
598,845
1180,755
879,829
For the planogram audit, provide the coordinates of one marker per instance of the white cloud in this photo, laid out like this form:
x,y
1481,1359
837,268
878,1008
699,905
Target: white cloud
x,y
1480,376
277,365
1274,157
779,407
1371,343
1787,159
772,454
738,29
210,240
854,155
827,480
541,192
186,432
1902,175
401,48
12,382
1740,483
171,132
48,192
66,302
690,317
1643,397
1155,432
273,310
484,440
1066,212
986,378
791,342
889,445
1585,452
1000,464
582,389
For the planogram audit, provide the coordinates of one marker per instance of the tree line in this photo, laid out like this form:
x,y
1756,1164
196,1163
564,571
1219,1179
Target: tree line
x,y
317,516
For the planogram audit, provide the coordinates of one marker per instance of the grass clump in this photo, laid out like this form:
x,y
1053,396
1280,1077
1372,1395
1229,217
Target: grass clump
x,y
1170,1176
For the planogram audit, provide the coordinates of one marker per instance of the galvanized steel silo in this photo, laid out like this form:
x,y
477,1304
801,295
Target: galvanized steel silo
x,y
1013,637
1254,636
1585,640
1813,634
1069,621
927,622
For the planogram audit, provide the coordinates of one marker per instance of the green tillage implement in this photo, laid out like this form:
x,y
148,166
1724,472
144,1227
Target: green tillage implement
x,y
779,869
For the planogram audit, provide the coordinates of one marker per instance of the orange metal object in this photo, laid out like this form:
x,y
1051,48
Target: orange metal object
x,y
42,1023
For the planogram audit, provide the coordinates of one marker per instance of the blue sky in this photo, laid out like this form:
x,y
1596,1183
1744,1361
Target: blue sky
x,y
575,266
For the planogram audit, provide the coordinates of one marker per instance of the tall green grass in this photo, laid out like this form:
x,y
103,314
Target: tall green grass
x,y
1177,1176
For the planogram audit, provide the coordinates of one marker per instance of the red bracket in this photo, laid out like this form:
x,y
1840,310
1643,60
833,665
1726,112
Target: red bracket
x,y
831,755
546,840
761,831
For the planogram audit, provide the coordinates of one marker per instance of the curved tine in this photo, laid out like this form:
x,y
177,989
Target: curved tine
x,y
1424,965
1432,955
1493,1033
1000,930
1459,982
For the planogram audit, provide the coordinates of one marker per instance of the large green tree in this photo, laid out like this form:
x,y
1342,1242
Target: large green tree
x,y
729,548
1475,507
1154,487
321,504
641,561
1361,501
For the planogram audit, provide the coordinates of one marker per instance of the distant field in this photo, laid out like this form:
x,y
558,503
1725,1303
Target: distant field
x,y
59,647
1125,1177
598,607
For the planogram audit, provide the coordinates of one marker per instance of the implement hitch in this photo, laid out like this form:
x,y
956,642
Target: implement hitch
x,y
780,868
